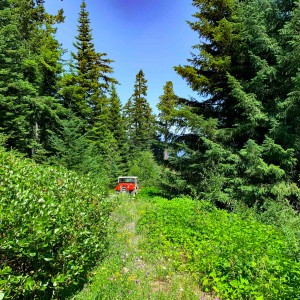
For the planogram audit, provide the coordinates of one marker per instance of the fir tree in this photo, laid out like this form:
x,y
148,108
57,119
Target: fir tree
x,y
127,117
92,74
287,129
167,105
14,110
140,117
85,91
116,121
239,69
46,108
117,127
216,25
30,62
70,143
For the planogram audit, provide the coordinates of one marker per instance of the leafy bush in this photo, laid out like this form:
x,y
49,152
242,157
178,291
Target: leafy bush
x,y
283,216
236,256
52,229
149,192
145,167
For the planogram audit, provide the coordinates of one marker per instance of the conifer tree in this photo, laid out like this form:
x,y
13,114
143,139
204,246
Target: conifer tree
x,y
30,57
288,131
239,69
13,110
85,90
215,24
116,121
142,122
91,74
127,117
167,105
47,108
70,144
117,128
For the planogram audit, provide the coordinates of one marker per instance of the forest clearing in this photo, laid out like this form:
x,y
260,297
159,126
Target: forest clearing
x,y
178,249
60,234
215,214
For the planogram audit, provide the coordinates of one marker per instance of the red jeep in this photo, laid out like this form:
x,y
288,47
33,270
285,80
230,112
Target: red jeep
x,y
127,184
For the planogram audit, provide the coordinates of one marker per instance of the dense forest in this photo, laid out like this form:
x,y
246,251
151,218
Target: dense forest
x,y
238,147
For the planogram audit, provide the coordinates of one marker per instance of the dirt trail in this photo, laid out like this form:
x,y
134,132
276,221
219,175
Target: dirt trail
x,y
129,272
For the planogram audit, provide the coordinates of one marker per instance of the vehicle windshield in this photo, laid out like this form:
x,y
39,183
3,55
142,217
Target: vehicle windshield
x,y
126,180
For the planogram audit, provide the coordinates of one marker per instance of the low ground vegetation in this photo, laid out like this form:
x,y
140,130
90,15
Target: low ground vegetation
x,y
131,270
186,249
235,256
57,226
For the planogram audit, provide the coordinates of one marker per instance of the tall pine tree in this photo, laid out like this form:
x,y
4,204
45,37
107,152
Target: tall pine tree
x,y
167,106
229,143
30,63
86,86
116,121
85,91
140,120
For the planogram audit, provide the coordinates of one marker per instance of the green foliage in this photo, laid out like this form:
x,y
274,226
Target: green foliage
x,y
167,105
240,143
147,193
89,139
52,229
116,121
104,167
140,122
216,25
30,63
172,184
283,216
116,125
255,174
130,272
290,60
90,79
237,257
144,166
70,143
3,140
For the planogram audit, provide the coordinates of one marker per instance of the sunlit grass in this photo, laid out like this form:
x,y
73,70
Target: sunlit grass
x,y
130,272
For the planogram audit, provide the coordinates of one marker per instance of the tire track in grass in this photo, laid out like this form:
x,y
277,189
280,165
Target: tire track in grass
x,y
129,272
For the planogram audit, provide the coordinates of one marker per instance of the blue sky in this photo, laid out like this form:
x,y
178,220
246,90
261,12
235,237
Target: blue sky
x,y
137,34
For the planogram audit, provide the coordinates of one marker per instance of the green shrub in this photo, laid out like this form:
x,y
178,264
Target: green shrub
x,y
236,256
144,166
149,192
52,229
